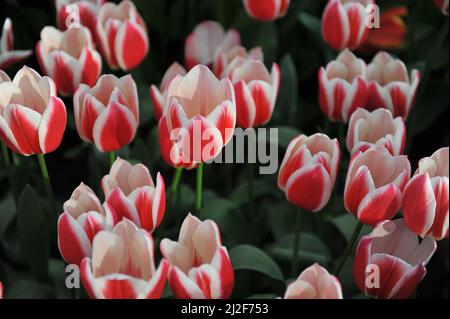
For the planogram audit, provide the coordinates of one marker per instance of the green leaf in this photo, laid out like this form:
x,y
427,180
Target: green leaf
x,y
246,257
285,135
287,105
346,225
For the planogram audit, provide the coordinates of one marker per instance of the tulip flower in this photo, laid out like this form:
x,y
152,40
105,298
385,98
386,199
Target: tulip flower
x,y
442,5
157,94
266,10
374,185
343,87
130,193
32,117
107,114
200,267
122,265
1,290
308,171
121,35
72,13
390,86
9,56
224,56
345,23
390,262
201,45
69,58
314,283
256,91
82,219
425,199
376,128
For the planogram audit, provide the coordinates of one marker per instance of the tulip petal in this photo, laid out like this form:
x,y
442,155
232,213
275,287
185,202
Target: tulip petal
x,y
182,286
73,242
130,35
52,125
380,204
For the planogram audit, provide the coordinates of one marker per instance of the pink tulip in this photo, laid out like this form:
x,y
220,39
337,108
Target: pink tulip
x,y
442,5
315,282
266,10
1,290
376,128
107,114
199,265
122,265
130,193
374,185
342,87
85,14
256,91
225,55
345,23
308,172
390,262
32,117
390,86
69,58
9,56
201,45
122,35
425,199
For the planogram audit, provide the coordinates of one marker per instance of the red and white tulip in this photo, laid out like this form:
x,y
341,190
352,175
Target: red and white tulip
x,y
1,290
390,262
107,114
425,199
308,172
74,12
200,267
266,10
9,56
123,265
442,5
225,55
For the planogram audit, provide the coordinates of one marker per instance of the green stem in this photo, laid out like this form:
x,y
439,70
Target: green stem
x,y
47,182
351,244
9,171
296,245
342,137
175,183
198,202
112,158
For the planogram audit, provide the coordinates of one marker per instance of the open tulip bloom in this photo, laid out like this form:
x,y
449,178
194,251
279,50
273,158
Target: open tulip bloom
x,y
85,14
9,56
266,10
225,55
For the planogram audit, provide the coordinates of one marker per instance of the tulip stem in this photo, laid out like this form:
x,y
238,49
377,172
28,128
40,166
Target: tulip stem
x,y
175,183
9,172
296,246
198,201
112,158
350,246
47,182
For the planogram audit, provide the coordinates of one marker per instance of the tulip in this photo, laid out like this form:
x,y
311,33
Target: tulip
x,y
122,265
9,56
200,267
343,87
201,111
201,45
390,86
442,5
32,117
82,219
308,171
256,91
157,94
376,128
72,13
425,199
345,23
122,35
107,114
1,290
130,193
69,58
314,282
266,10
224,56
374,185
390,262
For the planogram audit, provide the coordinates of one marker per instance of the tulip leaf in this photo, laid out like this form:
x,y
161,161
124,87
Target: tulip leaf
x,y
287,104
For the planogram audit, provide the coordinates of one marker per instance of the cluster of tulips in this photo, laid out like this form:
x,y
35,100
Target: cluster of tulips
x,y
221,86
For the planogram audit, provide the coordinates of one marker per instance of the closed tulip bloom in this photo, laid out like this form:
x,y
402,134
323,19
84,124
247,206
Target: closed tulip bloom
x,y
82,219
69,58
345,23
266,10
130,193
157,94
9,56
374,185
442,5
122,265
390,262
256,91
200,115
1,290
107,114
315,282
32,117
390,86
425,199
308,171
70,12
224,56
343,87
201,45
122,35
376,128
200,267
